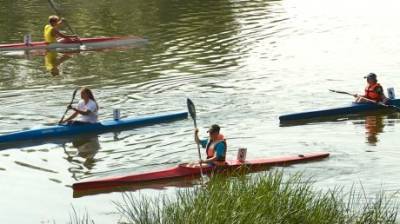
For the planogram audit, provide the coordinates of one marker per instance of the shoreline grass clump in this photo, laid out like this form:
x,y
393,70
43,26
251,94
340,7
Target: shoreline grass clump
x,y
265,198
76,218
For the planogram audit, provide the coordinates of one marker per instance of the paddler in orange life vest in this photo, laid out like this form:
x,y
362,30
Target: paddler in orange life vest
x,y
52,33
215,146
373,91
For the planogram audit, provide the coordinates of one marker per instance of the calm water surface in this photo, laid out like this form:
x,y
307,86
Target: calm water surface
x,y
243,63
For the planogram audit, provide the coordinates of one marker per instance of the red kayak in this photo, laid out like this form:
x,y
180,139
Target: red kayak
x,y
181,171
82,43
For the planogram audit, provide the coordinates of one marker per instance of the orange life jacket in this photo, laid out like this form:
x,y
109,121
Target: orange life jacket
x,y
370,92
210,149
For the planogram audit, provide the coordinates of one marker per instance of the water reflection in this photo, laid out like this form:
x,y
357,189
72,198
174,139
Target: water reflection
x,y
186,182
373,126
87,147
52,61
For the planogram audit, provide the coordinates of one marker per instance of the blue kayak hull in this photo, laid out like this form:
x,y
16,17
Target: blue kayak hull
x,y
59,131
354,108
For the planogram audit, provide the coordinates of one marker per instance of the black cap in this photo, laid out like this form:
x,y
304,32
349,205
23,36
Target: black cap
x,y
370,76
214,129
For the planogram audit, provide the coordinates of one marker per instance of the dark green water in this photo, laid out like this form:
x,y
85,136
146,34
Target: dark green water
x,y
243,63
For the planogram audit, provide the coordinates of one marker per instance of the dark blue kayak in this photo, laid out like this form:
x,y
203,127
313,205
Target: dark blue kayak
x,y
353,108
61,131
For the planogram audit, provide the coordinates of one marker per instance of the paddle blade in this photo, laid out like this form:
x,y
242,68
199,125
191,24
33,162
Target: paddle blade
x,y
191,108
54,6
341,92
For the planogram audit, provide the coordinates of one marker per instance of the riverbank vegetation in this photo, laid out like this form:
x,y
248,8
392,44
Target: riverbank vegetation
x,y
264,198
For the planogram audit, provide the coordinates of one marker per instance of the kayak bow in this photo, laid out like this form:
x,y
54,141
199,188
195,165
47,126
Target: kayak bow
x,y
354,108
65,130
182,171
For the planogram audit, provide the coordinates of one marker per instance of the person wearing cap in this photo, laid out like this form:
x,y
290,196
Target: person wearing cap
x,y
52,33
215,146
373,91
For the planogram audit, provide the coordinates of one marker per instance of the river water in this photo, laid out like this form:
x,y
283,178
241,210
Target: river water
x,y
243,63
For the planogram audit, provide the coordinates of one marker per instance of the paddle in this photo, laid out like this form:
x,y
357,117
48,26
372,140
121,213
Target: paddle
x,y
82,46
72,100
369,100
192,112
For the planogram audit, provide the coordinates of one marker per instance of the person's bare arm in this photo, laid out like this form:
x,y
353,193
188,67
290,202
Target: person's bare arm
x,y
70,117
57,33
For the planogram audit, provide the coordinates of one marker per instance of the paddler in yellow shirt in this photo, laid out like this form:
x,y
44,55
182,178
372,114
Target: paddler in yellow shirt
x,y
52,33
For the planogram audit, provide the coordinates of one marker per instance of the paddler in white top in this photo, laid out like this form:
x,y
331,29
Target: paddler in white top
x,y
87,109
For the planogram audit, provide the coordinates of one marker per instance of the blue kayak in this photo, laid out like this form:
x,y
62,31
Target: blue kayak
x,y
64,130
353,108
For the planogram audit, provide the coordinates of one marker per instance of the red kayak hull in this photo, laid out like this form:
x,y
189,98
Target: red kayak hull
x,y
181,171
92,42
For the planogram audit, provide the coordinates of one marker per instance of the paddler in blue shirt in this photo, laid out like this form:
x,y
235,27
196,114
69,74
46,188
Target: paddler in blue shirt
x,y
215,146
52,33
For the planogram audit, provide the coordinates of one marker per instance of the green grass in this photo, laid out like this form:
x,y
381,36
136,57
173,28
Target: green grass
x,y
265,199
75,218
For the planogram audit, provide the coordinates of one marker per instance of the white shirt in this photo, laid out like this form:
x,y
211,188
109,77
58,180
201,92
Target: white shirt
x,y
90,107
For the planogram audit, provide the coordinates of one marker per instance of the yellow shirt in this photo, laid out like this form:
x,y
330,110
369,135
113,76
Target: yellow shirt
x,y
49,37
